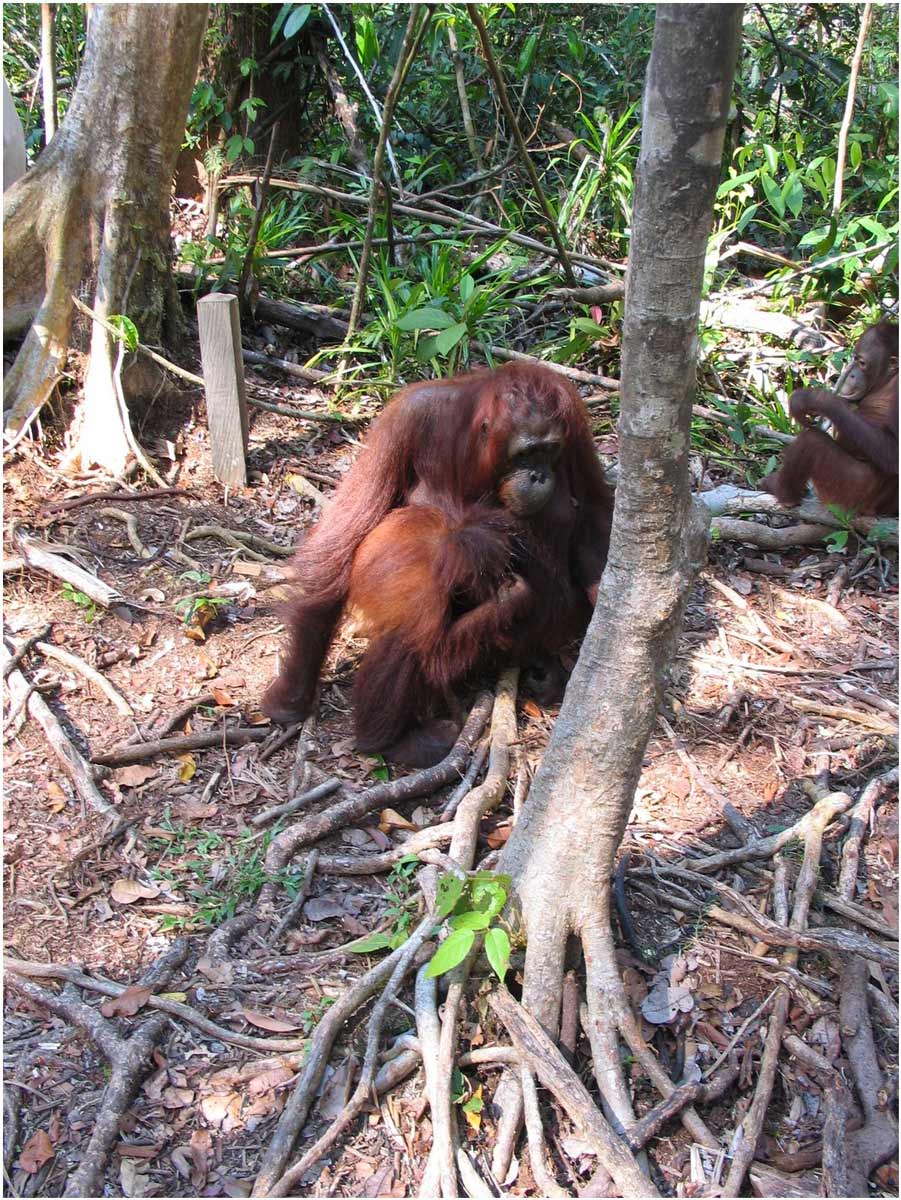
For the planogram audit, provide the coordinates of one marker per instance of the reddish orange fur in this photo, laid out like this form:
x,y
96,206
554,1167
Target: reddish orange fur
x,y
418,540
857,469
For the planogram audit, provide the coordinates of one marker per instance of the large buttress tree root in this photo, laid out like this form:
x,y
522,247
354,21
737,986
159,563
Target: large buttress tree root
x,y
95,207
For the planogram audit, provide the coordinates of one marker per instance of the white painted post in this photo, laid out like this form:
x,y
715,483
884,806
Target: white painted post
x,y
219,325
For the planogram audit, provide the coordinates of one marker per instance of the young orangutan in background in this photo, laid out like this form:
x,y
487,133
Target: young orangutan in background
x,y
856,469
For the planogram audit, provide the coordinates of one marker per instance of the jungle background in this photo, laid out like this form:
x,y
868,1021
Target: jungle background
x,y
782,692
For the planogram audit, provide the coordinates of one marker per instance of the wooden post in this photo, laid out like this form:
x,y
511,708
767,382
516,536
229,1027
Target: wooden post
x,y
223,376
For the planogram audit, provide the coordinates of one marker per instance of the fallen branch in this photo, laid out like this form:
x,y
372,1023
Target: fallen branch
x,y
747,1135
601,381
129,1059
49,557
728,500
174,1008
131,753
76,767
304,800
88,672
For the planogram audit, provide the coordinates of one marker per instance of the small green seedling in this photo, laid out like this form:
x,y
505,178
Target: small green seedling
x,y
84,602
470,906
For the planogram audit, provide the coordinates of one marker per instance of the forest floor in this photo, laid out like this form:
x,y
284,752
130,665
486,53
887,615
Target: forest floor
x,y
771,683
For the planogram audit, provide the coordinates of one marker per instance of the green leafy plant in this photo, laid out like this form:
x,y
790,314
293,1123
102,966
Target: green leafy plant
x,y
84,602
399,913
212,873
470,907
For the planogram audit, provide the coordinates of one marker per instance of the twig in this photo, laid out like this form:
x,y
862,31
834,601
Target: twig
x,y
842,147
381,120
465,785
14,659
122,755
128,1059
78,664
174,1008
77,769
421,783
757,848
152,354
747,1135
120,498
296,905
304,800
319,1046
513,125
860,820
601,381
48,557
412,35
639,1134
243,297
845,714
241,539
284,1186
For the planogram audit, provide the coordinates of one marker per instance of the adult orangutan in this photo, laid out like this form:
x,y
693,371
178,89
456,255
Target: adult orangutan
x,y
858,467
473,528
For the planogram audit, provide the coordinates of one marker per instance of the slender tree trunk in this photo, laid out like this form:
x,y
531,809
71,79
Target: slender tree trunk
x,y
48,70
842,148
561,853
96,204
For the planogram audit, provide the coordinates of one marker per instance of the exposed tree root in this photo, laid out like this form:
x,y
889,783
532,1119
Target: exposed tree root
x,y
421,783
285,1184
129,1059
551,1067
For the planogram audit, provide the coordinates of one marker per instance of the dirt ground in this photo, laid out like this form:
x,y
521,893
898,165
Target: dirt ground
x,y
771,684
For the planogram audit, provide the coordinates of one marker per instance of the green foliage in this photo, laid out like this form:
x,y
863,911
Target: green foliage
x,y
284,221
126,332
399,914
85,603
471,906
200,866
21,63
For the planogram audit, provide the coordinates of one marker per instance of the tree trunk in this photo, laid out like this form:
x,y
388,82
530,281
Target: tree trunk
x,y
96,205
561,853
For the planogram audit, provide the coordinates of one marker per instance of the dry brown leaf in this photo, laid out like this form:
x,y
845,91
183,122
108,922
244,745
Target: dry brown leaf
x,y
223,698
390,819
128,1003
267,1080
134,1182
187,767
271,1024
216,971
531,709
134,775
190,809
56,796
176,1097
126,891
36,1151
135,1150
